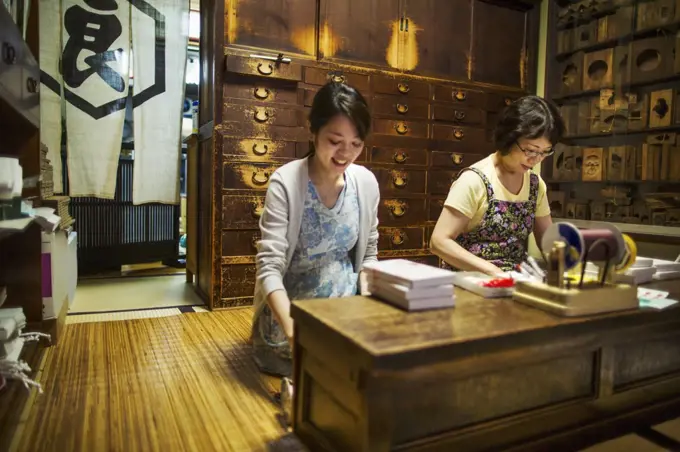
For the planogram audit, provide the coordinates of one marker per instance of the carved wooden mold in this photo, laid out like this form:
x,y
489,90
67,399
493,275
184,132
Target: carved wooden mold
x,y
598,69
652,59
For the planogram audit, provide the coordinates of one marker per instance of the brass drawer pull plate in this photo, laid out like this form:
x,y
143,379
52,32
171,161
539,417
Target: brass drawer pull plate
x,y
398,237
401,128
398,210
400,180
260,178
265,69
260,150
403,87
402,109
457,158
400,157
261,115
262,93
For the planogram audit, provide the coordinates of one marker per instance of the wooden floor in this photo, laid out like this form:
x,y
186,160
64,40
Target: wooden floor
x,y
164,384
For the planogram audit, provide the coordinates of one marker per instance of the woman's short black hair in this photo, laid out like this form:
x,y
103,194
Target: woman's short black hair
x,y
528,117
339,99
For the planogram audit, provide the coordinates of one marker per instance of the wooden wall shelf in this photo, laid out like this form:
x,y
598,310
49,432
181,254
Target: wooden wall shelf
x,y
656,130
667,30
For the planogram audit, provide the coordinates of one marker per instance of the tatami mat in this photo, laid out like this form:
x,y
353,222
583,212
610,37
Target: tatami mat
x,y
123,294
124,315
185,382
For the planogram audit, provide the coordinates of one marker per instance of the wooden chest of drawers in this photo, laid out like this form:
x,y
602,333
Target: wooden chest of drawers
x,y
423,134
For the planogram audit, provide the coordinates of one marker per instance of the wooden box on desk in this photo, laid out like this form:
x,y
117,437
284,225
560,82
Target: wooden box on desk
x,y
486,375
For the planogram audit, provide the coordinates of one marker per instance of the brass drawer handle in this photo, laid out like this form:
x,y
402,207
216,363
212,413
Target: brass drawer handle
x,y
265,69
507,101
257,209
400,180
262,93
400,157
256,238
398,210
398,238
457,158
402,109
260,177
261,115
403,87
401,128
260,150
460,95
338,78
459,115
458,134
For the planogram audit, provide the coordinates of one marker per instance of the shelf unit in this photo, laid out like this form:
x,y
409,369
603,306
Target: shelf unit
x,y
613,68
20,240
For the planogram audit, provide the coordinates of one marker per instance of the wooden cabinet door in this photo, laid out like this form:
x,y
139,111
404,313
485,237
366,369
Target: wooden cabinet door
x,y
438,37
275,25
360,30
499,45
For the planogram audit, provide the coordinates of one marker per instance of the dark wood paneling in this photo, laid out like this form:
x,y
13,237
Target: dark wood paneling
x,y
499,60
359,31
285,26
442,36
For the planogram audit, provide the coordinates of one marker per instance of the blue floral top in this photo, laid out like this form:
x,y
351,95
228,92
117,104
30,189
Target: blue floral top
x,y
321,266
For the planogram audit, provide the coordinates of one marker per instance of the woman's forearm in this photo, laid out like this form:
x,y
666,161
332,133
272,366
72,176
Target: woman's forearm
x,y
280,305
457,256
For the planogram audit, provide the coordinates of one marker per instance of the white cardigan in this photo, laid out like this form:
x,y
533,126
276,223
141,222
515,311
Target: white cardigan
x,y
282,216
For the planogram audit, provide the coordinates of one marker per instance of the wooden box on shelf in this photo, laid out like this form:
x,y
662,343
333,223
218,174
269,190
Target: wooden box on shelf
x,y
598,69
556,200
655,13
616,163
620,23
621,66
597,211
661,108
592,164
571,75
638,111
586,35
652,59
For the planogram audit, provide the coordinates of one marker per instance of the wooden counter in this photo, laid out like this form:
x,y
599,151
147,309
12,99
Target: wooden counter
x,y
487,375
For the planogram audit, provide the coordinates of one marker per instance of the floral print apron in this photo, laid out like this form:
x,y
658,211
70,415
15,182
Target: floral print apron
x,y
503,234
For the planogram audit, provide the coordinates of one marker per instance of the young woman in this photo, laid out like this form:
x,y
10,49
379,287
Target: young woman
x,y
496,203
319,225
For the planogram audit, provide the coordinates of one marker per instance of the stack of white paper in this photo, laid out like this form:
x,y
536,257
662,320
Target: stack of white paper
x,y
411,286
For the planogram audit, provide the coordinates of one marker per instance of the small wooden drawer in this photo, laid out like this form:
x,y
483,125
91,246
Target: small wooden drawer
x,y
651,59
247,176
400,128
400,238
401,212
434,208
316,76
463,116
261,150
261,91
460,96
240,243
400,87
263,68
397,156
400,181
398,106
238,280
439,181
467,135
454,160
241,212
261,115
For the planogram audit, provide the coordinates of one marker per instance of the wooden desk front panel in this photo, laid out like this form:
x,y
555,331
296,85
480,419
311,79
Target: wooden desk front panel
x,y
570,385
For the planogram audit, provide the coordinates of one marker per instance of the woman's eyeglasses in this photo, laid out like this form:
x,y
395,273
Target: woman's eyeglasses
x,y
536,154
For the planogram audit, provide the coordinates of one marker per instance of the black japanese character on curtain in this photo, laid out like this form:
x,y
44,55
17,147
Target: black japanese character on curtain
x,y
94,31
